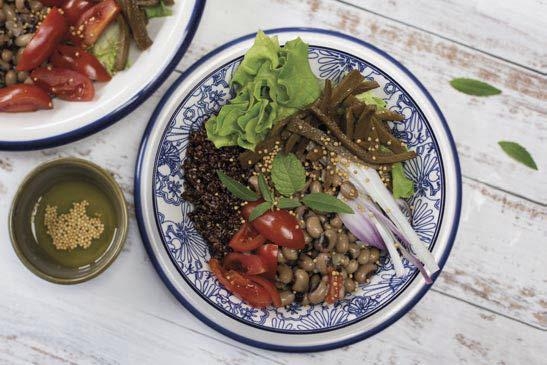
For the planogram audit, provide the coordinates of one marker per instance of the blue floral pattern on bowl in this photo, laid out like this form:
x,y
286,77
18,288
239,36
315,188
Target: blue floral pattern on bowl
x,y
189,253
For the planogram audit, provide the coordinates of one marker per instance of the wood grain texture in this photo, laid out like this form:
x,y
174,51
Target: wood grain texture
x,y
489,306
511,30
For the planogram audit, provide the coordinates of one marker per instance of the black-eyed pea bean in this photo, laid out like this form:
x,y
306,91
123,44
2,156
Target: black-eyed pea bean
x,y
364,256
301,280
322,219
287,297
290,254
315,187
348,190
307,238
284,273
318,294
354,250
350,285
313,226
342,244
351,237
314,281
339,259
253,181
362,274
306,263
280,258
322,262
332,238
336,222
374,254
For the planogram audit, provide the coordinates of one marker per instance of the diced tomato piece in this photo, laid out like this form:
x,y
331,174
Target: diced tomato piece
x,y
73,9
249,291
268,255
64,83
270,288
23,98
76,59
336,281
244,263
95,20
246,239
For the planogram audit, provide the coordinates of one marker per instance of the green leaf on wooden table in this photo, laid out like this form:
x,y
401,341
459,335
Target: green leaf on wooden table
x,y
519,153
259,210
474,87
288,203
236,188
326,203
288,174
264,188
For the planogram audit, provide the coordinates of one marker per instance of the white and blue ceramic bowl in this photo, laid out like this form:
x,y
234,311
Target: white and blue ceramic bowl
x,y
69,121
180,254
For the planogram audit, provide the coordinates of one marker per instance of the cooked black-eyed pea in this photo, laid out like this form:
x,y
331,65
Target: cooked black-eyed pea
x,y
287,297
307,238
343,273
7,54
339,259
336,222
354,250
22,76
323,219
364,256
284,273
313,226
305,300
364,271
23,39
332,238
280,258
326,225
253,181
315,279
318,294
351,237
10,78
301,280
290,254
342,244
350,285
352,266
348,190
281,286
374,254
305,262
315,187
322,262
337,180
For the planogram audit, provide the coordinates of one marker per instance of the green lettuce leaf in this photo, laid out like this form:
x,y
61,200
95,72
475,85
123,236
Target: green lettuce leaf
x,y
157,11
370,99
271,83
403,187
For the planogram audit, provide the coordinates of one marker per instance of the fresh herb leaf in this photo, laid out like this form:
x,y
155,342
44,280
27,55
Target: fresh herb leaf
x,y
474,87
403,187
236,188
264,189
370,99
288,203
288,174
519,153
157,11
326,203
259,210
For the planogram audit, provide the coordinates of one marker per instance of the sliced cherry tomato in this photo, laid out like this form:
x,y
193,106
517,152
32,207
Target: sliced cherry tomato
x,y
57,3
77,59
95,19
270,287
23,98
219,273
278,226
73,9
246,239
43,43
249,291
64,83
336,282
244,263
268,255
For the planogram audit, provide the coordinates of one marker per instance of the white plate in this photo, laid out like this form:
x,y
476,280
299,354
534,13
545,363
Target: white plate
x,y
69,121
180,254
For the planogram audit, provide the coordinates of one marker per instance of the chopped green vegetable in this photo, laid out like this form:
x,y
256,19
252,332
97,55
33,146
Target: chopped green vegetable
x,y
106,47
519,153
403,187
288,174
288,203
474,87
271,83
236,188
259,210
326,203
264,188
370,99
157,11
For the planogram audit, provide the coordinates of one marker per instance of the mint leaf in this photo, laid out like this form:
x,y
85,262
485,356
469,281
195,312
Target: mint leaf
x,y
474,87
288,174
236,188
403,187
519,153
259,210
287,203
326,203
264,189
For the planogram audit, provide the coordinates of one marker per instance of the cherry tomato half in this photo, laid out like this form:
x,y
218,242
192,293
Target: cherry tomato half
x,y
57,3
77,59
336,283
64,83
95,19
270,288
249,291
268,255
73,9
244,263
278,226
43,43
23,98
246,239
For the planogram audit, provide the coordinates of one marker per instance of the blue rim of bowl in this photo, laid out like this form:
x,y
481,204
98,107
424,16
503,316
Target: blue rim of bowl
x,y
123,110
252,342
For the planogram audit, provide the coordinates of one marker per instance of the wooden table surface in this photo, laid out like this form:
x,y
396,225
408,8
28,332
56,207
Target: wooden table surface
x,y
489,305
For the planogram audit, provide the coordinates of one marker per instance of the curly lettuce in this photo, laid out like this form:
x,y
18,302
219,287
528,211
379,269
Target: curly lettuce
x,y
271,83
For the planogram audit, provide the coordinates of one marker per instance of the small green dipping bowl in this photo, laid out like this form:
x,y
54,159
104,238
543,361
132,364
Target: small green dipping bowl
x,y
62,182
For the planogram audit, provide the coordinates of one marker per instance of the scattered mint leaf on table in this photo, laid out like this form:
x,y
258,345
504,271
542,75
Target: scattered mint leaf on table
x,y
519,153
474,87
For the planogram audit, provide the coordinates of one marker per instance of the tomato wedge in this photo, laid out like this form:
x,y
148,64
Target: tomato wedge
x,y
43,43
77,59
73,9
268,255
278,226
336,282
95,19
246,239
244,263
218,271
23,98
270,288
64,83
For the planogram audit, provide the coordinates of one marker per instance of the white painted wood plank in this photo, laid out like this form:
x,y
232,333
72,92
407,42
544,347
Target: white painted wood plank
x,y
513,30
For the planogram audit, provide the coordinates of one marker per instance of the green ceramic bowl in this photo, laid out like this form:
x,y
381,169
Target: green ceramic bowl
x,y
65,181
